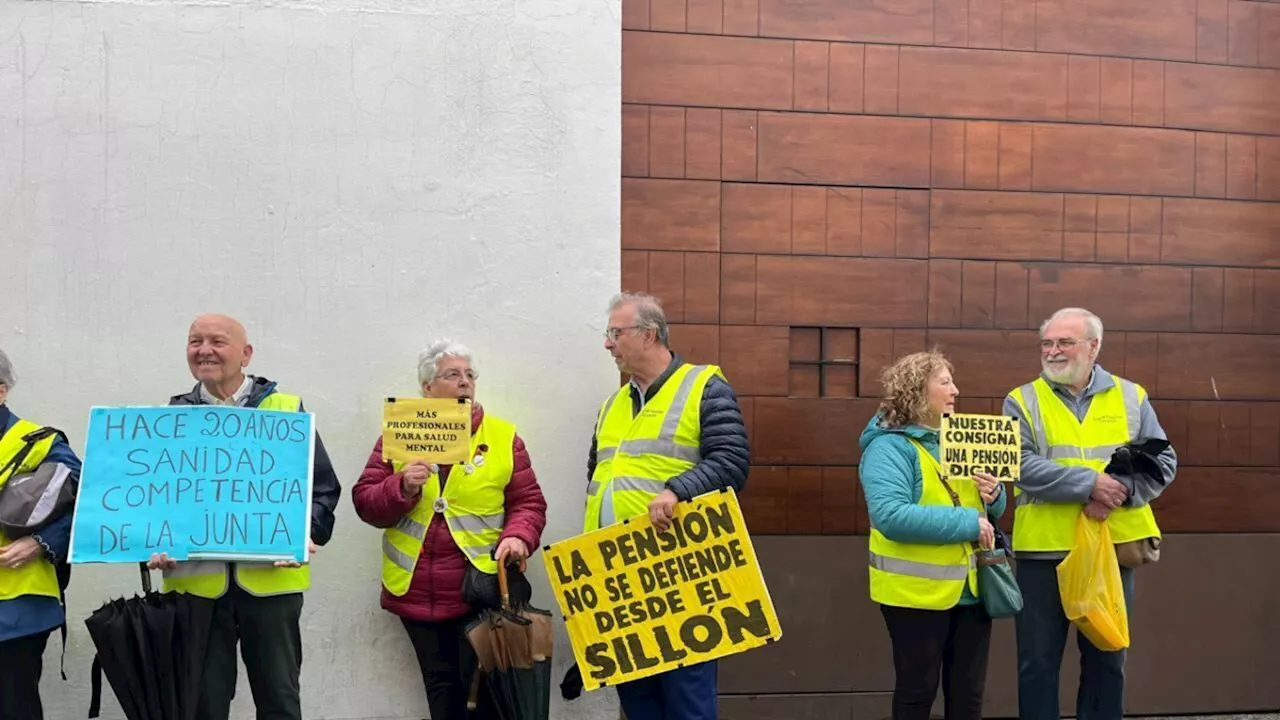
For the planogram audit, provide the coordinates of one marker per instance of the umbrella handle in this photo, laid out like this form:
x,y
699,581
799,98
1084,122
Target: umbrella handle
x,y
502,586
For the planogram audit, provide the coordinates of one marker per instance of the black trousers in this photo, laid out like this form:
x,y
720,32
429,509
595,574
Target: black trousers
x,y
21,664
271,645
448,661
929,646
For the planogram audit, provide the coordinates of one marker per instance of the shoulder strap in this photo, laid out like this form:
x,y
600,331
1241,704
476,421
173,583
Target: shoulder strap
x,y
29,442
933,462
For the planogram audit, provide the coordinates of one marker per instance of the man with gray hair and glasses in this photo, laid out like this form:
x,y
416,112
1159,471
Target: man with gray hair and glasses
x,y
1073,419
689,440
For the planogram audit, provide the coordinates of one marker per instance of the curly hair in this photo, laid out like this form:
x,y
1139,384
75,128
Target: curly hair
x,y
906,384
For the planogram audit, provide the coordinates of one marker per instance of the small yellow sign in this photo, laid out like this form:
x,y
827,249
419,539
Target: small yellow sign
x,y
639,602
981,443
437,430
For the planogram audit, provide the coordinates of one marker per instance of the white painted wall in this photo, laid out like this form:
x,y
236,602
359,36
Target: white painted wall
x,y
349,177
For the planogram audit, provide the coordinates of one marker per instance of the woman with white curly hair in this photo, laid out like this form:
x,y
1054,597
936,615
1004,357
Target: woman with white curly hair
x,y
463,520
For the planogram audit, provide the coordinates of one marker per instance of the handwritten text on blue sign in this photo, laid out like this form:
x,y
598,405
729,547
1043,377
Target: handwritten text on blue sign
x,y
193,482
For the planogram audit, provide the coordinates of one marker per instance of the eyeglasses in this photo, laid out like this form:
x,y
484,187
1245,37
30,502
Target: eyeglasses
x,y
455,376
1066,344
615,333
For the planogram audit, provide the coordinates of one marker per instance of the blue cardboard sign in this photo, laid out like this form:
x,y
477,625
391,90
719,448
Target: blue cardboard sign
x,y
199,482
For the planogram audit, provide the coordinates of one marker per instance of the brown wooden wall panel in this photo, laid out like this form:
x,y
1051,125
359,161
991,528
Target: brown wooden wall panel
x,y
1208,232
843,150
1221,499
995,225
670,215
891,21
1163,29
1081,158
804,500
1230,367
809,431
859,292
673,69
1220,98
787,219
946,82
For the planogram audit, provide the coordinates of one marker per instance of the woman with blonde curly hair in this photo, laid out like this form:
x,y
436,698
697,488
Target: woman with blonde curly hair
x,y
925,530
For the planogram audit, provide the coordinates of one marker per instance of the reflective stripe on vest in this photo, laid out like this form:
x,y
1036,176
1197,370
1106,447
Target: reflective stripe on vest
x,y
926,577
36,577
639,454
474,508
1113,420
208,578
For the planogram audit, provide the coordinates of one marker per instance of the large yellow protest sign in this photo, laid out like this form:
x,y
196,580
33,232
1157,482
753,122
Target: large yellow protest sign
x,y
981,443
639,602
437,430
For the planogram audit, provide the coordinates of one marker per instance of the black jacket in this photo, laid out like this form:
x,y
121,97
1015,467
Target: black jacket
x,y
325,488
726,454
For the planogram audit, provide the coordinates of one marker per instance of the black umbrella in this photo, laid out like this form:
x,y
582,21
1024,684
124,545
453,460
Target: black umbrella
x,y
152,649
513,649
1138,458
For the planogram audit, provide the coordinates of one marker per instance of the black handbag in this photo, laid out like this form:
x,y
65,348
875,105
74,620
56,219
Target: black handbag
x,y
480,589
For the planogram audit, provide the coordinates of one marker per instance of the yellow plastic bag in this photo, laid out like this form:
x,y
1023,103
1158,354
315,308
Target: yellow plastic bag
x,y
1089,583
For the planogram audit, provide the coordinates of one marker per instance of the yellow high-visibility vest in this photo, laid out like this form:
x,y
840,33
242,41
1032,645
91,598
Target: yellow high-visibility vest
x,y
638,455
1113,420
208,578
37,576
473,505
922,576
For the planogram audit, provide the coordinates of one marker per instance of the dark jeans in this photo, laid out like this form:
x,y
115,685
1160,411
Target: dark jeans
x,y
929,645
1042,636
271,645
447,662
21,664
687,693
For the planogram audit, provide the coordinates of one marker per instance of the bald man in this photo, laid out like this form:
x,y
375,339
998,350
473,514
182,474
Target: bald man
x,y
257,604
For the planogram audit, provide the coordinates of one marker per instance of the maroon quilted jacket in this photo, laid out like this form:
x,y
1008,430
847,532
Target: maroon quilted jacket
x,y
435,593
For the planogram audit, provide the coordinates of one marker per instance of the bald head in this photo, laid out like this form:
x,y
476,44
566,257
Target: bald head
x,y
218,351
220,323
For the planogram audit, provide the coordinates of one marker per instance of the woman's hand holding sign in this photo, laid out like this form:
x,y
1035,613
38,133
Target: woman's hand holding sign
x,y
414,477
988,486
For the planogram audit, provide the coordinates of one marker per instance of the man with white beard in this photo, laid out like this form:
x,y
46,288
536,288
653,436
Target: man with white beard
x,y
1072,418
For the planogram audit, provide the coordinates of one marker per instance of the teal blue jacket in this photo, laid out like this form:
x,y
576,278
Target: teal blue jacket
x,y
889,473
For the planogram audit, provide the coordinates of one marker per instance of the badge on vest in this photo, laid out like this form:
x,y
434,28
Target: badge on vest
x,y
440,505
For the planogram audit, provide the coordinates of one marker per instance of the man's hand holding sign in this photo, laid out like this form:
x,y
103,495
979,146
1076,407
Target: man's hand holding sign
x,y
639,601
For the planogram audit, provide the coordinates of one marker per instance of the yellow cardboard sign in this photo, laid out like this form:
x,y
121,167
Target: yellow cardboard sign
x,y
437,430
638,602
981,443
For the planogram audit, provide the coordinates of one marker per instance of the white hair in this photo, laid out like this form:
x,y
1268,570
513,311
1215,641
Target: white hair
x,y
7,377
1092,323
649,314
429,358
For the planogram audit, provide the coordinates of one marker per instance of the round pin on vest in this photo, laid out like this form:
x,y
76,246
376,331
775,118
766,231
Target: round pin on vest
x,y
440,505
